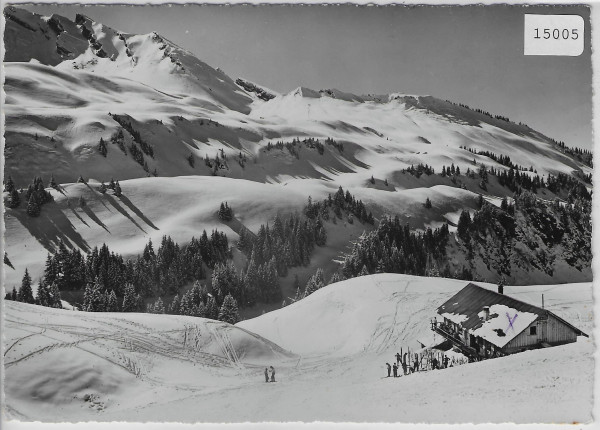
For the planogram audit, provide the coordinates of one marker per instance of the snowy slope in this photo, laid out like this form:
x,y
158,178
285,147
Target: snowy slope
x,y
136,367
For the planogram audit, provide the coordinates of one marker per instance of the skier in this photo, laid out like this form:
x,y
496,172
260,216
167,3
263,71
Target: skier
x,y
404,367
395,370
266,375
272,374
389,368
398,358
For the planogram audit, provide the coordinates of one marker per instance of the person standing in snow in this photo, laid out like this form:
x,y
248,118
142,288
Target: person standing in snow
x,y
398,358
389,368
404,367
266,375
395,370
272,374
446,360
416,367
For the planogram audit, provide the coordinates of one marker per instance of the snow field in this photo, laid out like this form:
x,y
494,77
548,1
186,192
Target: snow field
x,y
330,362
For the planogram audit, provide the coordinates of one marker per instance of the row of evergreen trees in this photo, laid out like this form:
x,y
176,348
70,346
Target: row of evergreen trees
x,y
309,142
151,273
198,301
491,233
47,295
35,195
339,202
396,248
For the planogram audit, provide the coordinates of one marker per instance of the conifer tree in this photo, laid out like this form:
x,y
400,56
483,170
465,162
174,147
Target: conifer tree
x,y
212,311
335,278
9,185
363,271
175,304
81,180
13,199
428,203
111,184
118,191
25,292
102,148
159,307
52,182
464,224
112,304
102,189
129,299
33,206
41,297
14,295
229,310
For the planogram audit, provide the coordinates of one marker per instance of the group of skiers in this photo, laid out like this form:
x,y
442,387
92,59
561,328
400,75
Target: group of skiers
x,y
411,364
272,369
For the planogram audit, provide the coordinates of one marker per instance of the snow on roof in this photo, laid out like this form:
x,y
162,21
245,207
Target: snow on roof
x,y
455,318
507,316
503,325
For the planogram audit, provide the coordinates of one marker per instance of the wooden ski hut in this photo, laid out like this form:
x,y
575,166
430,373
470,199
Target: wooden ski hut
x,y
484,323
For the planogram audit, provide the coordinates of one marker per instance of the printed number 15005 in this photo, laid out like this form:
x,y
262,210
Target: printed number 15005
x,y
553,35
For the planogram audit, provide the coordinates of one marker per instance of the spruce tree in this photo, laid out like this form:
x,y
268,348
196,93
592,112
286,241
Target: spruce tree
x,y
335,278
102,189
14,295
41,297
102,148
212,311
428,203
52,182
9,185
54,299
229,310
464,224
13,199
111,185
363,271
174,308
118,191
25,292
129,299
33,206
81,180
112,304
159,307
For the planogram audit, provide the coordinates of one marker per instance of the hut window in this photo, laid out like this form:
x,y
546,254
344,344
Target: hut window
x,y
533,330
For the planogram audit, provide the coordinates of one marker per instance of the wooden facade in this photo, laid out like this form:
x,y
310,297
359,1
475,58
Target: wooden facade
x,y
550,331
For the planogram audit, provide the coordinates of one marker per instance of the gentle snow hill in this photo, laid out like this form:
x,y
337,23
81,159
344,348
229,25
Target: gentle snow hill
x,y
54,357
147,367
380,313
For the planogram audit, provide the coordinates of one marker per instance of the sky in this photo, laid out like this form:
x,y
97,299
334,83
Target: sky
x,y
468,54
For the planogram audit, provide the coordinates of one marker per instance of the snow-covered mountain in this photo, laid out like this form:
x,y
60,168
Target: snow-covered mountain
x,y
160,111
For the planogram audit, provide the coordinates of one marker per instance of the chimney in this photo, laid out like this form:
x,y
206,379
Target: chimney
x,y
486,313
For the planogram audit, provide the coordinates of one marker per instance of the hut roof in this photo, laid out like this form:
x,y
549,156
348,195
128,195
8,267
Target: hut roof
x,y
508,317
